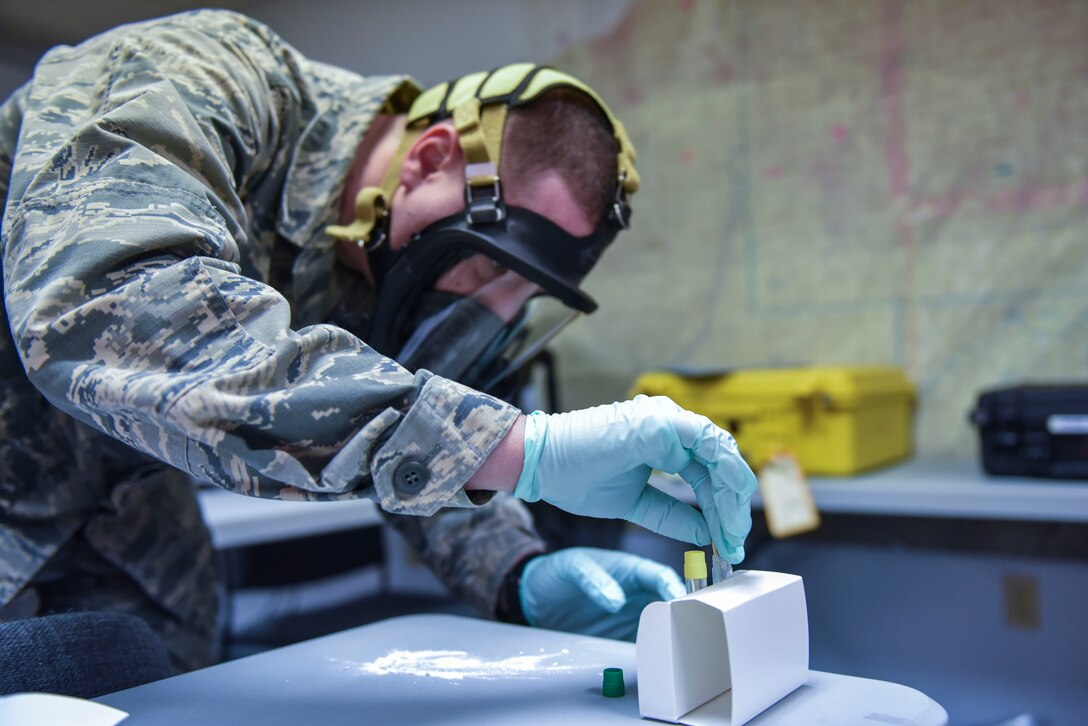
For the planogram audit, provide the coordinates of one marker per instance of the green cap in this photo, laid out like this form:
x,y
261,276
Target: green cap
x,y
694,565
613,683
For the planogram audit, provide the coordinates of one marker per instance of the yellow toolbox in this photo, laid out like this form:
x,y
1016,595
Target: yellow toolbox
x,y
835,420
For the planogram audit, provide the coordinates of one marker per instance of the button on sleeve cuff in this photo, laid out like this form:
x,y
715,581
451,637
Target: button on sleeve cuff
x,y
445,436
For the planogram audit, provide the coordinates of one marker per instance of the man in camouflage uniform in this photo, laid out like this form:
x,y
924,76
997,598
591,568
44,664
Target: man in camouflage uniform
x,y
168,284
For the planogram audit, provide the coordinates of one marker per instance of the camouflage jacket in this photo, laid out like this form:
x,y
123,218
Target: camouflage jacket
x,y
168,284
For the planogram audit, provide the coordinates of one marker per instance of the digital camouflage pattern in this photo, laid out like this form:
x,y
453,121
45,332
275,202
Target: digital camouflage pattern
x,y
471,550
168,285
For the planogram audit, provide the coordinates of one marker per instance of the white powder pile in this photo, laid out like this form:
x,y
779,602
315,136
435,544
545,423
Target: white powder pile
x,y
456,665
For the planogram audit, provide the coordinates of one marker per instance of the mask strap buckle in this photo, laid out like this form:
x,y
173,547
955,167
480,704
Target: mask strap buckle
x,y
620,211
483,194
479,132
370,227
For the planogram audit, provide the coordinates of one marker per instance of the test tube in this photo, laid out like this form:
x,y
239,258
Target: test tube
x,y
720,569
694,570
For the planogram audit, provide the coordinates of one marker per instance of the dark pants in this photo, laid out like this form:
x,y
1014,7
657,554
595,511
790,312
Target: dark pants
x,y
82,654
79,579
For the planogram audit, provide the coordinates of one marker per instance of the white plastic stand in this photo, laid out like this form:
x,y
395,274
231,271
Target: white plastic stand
x,y
724,654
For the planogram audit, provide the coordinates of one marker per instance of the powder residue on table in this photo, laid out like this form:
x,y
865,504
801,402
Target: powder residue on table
x,y
456,665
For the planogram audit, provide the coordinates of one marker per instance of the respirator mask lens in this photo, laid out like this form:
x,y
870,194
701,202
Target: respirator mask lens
x,y
482,338
474,303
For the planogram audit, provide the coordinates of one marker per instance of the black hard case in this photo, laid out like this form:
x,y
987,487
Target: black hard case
x,y
1034,430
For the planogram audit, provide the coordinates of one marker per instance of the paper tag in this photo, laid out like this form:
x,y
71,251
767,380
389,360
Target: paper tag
x,y
787,499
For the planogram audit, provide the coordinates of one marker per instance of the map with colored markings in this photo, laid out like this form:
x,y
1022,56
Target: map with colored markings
x,y
901,183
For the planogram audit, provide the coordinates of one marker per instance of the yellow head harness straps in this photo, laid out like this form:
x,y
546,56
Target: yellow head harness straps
x,y
478,104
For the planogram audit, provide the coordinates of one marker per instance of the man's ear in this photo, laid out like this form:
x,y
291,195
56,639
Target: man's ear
x,y
436,152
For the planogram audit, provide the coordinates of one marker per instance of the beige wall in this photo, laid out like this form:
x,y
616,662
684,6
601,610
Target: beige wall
x,y
896,182
840,182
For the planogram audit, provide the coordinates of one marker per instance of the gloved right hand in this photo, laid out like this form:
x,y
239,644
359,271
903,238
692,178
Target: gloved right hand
x,y
597,462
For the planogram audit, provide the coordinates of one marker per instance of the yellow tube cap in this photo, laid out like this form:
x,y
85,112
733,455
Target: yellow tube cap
x,y
694,565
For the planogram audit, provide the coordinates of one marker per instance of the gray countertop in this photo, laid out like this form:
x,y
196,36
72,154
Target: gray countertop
x,y
441,669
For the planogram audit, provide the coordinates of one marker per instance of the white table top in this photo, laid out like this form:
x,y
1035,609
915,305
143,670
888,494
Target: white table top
x,y
443,669
919,487
936,488
236,520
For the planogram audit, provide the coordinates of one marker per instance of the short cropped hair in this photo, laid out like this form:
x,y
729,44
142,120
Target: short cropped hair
x,y
565,132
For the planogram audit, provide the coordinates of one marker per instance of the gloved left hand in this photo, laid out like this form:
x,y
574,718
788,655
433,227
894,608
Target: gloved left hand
x,y
594,591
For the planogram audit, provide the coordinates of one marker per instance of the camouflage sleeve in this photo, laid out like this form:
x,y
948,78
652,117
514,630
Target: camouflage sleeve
x,y
126,299
471,550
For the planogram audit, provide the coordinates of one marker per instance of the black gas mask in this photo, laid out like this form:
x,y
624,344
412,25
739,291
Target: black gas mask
x,y
483,337
471,338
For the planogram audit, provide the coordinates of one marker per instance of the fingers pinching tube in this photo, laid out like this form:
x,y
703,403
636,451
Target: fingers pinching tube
x,y
597,462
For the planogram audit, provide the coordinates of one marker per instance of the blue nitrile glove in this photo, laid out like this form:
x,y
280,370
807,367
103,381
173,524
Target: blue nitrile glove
x,y
597,462
593,591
